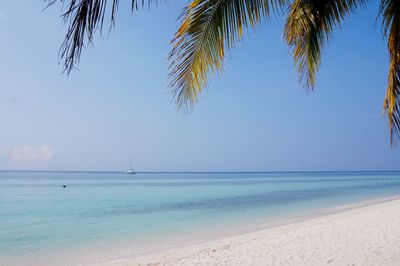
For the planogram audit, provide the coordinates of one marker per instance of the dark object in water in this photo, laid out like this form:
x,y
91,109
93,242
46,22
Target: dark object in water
x,y
64,186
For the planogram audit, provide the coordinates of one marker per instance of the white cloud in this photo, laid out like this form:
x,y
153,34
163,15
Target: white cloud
x,y
28,153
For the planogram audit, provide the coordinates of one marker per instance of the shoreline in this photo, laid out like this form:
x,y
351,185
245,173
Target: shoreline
x,y
272,239
171,251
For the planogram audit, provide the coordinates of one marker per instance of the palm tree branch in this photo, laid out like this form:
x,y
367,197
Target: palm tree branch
x,y
84,19
309,25
208,28
390,11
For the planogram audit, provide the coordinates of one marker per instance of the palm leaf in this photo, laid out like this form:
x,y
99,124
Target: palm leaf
x,y
309,25
208,28
390,11
85,18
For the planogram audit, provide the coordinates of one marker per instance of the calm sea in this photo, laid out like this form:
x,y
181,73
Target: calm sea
x,y
96,211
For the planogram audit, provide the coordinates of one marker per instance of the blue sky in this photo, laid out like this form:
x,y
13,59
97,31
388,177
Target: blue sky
x,y
256,117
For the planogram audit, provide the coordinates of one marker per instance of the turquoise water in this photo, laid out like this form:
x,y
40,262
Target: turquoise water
x,y
39,216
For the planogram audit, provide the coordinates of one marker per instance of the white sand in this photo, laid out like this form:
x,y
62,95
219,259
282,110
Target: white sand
x,y
367,235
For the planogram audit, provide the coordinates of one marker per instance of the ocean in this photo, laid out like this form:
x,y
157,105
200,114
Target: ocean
x,y
104,215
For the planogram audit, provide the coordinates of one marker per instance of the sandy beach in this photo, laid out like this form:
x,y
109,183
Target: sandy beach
x,y
368,235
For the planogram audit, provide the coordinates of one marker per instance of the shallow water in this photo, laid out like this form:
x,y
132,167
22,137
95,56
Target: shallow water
x,y
38,216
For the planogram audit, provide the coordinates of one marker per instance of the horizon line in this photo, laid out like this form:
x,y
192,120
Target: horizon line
x,y
183,172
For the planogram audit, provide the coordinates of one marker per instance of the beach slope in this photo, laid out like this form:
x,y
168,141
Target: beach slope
x,y
368,235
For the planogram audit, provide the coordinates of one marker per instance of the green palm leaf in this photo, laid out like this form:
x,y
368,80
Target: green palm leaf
x,y
390,11
208,28
309,25
85,18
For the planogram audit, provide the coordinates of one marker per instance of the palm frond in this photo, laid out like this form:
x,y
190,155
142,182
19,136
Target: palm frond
x,y
208,28
390,11
85,18
309,25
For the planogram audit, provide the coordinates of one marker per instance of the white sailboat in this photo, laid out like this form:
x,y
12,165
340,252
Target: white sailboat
x,y
131,171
